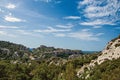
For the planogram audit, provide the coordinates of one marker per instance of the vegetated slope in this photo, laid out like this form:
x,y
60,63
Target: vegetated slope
x,y
58,66
47,69
108,70
83,67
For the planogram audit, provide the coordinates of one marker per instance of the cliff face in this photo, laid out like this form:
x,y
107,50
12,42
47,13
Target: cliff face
x,y
111,51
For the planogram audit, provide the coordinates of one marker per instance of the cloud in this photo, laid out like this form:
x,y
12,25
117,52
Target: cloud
x,y
72,17
84,30
10,6
1,10
85,35
4,33
99,34
60,35
52,30
97,11
27,33
13,19
65,26
57,2
24,32
8,27
104,12
97,26
48,1
97,22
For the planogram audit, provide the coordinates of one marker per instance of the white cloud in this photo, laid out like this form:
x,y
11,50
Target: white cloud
x,y
47,1
52,30
13,19
83,3
4,33
8,27
60,35
85,35
96,12
11,35
97,26
104,12
1,10
57,2
10,14
99,34
72,17
65,26
10,6
97,22
24,32
27,33
85,30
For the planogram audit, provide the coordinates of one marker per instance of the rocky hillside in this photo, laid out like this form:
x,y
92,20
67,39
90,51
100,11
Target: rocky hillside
x,y
13,51
47,52
111,51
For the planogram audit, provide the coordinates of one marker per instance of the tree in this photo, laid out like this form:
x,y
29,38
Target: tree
x,y
70,72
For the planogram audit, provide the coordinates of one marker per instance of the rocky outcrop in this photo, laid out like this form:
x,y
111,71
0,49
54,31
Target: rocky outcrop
x,y
110,52
45,51
12,51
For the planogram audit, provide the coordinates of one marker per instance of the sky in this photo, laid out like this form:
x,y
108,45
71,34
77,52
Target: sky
x,y
72,24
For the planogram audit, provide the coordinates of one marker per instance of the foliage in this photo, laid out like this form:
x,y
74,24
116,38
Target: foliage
x,y
109,70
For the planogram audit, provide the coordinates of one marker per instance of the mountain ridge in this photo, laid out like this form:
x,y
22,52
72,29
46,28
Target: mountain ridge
x,y
9,50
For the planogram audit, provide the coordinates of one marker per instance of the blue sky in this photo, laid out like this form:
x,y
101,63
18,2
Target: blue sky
x,y
72,24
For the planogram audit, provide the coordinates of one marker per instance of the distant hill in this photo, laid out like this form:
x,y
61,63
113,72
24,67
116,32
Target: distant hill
x,y
14,51
47,52
90,52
